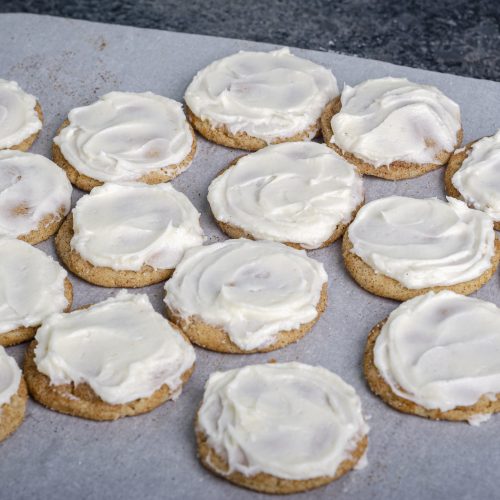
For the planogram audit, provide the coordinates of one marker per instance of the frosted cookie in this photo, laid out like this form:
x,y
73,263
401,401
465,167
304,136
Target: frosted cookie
x,y
243,296
251,99
128,234
32,286
393,128
125,136
113,359
13,395
280,428
35,196
20,117
400,247
473,175
436,356
299,193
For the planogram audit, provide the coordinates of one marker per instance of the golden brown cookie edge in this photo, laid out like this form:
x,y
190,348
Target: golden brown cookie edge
x,y
384,286
103,276
397,170
267,483
216,339
383,390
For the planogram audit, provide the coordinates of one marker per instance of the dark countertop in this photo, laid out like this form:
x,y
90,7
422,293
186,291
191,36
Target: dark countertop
x,y
454,36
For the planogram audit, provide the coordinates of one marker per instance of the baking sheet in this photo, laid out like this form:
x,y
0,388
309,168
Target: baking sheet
x,y
68,63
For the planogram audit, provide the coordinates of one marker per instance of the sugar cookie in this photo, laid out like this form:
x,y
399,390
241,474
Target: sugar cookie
x,y
393,128
399,247
251,99
35,196
473,175
128,234
436,356
32,286
13,395
242,296
20,117
299,193
125,136
280,428
113,359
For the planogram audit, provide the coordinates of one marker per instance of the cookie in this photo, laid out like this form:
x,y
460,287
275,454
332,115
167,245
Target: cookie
x,y
260,98
242,296
472,173
245,409
33,286
35,196
13,395
388,141
400,247
129,234
120,144
138,375
431,358
22,121
302,194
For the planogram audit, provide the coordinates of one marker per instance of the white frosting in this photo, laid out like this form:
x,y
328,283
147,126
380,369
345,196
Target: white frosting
x,y
423,242
290,420
128,225
268,95
125,135
251,289
18,118
392,119
31,188
10,377
121,347
31,285
295,192
441,351
478,178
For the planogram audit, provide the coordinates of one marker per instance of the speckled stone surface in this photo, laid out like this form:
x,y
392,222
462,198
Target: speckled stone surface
x,y
455,36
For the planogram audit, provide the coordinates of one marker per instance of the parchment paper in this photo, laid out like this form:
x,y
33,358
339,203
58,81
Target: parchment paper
x,y
67,63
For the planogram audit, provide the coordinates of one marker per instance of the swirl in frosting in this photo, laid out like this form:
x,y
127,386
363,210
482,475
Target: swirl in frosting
x,y
290,420
478,178
423,242
392,119
18,117
295,192
31,285
268,95
125,226
251,289
31,188
121,347
125,135
440,350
